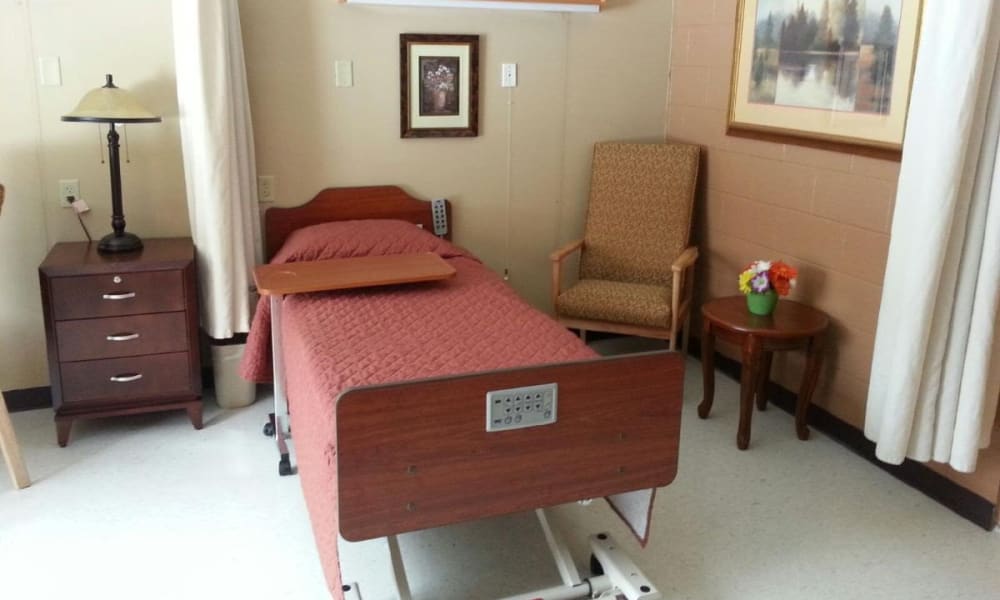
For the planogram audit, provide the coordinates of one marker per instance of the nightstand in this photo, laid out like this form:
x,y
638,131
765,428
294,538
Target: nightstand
x,y
122,331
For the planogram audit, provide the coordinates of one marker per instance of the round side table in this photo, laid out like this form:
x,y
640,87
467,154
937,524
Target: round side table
x,y
793,325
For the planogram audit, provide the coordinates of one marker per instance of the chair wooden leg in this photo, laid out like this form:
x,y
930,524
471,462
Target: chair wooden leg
x,y
11,450
687,334
583,336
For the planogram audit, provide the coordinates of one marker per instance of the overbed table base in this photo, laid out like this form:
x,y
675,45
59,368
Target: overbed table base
x,y
278,422
621,577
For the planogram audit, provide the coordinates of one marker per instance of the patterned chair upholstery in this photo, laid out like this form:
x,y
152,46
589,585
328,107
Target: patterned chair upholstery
x,y
635,263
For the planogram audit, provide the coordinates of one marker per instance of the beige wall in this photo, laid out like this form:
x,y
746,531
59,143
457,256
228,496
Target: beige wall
x,y
22,224
131,40
827,213
583,78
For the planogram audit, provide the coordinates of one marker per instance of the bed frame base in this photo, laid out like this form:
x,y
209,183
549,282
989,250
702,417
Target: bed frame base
x,y
621,578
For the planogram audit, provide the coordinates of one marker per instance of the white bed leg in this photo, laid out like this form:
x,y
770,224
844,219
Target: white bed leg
x,y
398,569
622,574
560,553
622,578
351,591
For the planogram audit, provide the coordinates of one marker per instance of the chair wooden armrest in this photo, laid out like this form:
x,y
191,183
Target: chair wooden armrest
x,y
686,260
561,254
682,292
557,259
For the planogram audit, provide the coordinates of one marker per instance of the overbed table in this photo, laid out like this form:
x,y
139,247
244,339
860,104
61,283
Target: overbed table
x,y
280,279
792,326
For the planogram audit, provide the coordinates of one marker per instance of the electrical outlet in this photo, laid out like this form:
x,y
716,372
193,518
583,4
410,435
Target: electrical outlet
x,y
67,188
265,188
517,408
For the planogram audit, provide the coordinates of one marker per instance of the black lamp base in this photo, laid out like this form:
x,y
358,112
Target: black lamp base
x,y
114,244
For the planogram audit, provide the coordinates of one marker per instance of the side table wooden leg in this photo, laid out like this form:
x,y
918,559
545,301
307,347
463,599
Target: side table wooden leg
x,y
194,413
63,427
707,370
748,380
762,379
814,361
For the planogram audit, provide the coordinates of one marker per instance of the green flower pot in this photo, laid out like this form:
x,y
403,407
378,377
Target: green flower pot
x,y
762,304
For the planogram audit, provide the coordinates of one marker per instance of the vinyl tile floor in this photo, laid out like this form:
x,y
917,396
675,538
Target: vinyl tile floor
x,y
147,508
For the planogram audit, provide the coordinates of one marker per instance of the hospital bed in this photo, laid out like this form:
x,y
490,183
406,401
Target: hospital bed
x,y
403,398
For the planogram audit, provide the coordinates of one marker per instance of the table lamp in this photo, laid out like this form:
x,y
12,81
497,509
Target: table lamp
x,y
111,104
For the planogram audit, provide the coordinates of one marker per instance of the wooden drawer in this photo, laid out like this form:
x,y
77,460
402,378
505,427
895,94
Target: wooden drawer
x,y
118,379
116,295
90,339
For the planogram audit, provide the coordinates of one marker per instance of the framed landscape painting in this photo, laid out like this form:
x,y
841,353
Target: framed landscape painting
x,y
829,73
439,80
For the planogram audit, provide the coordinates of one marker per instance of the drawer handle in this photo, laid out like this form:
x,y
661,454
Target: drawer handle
x,y
121,296
126,378
123,337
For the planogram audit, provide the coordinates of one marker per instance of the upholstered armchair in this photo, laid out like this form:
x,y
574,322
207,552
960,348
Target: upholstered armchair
x,y
636,268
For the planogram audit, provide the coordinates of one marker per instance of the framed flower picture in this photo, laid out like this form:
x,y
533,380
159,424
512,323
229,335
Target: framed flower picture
x,y
834,74
439,78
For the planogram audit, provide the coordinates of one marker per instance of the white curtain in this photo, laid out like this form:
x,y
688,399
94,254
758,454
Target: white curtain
x,y
934,385
217,139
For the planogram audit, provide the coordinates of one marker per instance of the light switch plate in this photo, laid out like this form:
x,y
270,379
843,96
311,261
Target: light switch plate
x,y
49,71
344,73
265,188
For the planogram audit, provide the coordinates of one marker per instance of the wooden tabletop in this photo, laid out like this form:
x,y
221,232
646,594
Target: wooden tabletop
x,y
348,273
83,258
790,319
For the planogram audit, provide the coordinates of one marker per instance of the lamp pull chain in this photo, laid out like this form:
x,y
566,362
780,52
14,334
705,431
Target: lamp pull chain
x,y
125,129
100,143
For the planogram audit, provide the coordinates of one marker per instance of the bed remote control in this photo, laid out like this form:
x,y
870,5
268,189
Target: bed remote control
x,y
439,211
517,408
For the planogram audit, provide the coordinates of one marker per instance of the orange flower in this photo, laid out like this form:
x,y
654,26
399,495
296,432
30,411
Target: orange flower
x,y
782,277
782,286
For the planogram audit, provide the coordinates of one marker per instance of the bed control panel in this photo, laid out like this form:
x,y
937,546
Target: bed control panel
x,y
517,408
439,212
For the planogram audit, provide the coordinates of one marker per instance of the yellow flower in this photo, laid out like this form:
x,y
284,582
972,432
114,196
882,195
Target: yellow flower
x,y
745,278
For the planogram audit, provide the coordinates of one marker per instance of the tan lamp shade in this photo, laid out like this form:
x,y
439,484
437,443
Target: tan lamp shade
x,y
111,104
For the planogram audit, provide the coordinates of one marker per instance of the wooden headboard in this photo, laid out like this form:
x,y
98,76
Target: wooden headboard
x,y
347,204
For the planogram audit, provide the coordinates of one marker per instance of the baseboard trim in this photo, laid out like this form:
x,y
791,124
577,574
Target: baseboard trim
x,y
28,399
963,502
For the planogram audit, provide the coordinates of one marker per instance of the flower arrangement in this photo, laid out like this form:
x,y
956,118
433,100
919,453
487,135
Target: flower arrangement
x,y
441,78
762,276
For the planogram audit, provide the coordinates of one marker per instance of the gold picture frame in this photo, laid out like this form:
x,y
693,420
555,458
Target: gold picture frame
x,y
833,74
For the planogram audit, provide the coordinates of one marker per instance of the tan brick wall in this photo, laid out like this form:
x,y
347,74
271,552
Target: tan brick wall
x,y
827,213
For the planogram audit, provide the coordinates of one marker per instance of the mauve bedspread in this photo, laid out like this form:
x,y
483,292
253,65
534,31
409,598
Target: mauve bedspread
x,y
332,341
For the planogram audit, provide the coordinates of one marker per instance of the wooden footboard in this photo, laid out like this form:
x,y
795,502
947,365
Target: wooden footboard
x,y
417,455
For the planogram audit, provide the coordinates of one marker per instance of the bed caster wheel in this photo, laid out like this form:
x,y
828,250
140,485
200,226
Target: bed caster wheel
x,y
269,429
595,566
284,467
